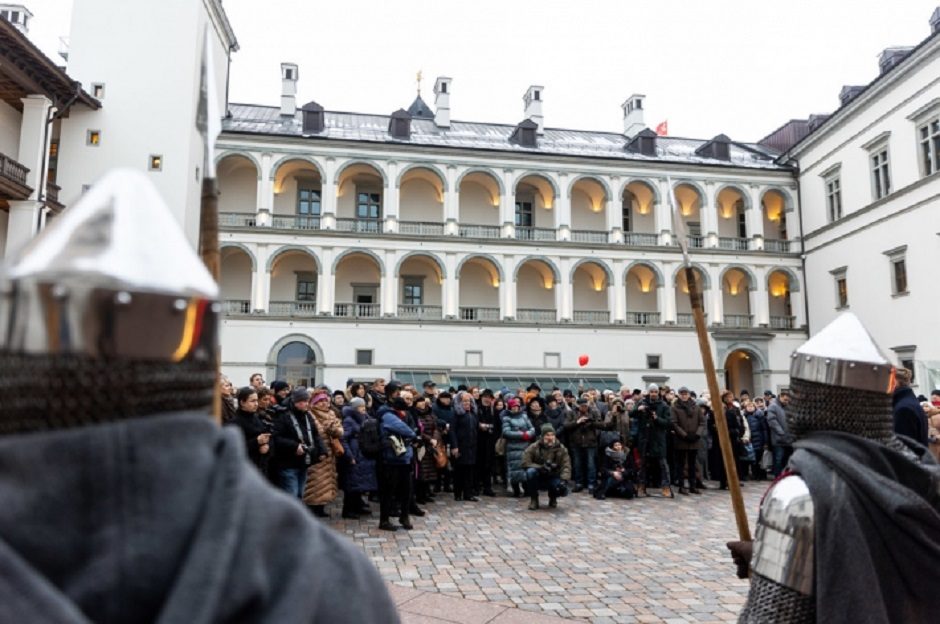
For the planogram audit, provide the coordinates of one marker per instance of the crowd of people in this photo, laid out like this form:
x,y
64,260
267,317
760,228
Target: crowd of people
x,y
399,446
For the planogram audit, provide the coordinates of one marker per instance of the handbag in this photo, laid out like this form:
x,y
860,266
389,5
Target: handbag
x,y
440,458
747,452
501,447
337,447
767,459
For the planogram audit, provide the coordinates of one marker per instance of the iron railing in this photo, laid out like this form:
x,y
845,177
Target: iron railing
x,y
642,319
738,320
591,317
357,310
534,233
588,236
479,231
535,315
640,239
477,313
732,243
776,246
413,311
696,241
238,219
295,222
236,306
421,228
782,322
367,226
293,308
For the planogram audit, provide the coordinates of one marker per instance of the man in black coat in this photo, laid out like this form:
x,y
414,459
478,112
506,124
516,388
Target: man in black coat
x,y
297,443
463,447
490,427
909,417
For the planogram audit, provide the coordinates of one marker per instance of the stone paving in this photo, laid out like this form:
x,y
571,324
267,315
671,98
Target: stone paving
x,y
645,560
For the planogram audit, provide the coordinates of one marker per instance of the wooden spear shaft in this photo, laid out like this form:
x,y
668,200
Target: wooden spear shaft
x,y
209,252
721,423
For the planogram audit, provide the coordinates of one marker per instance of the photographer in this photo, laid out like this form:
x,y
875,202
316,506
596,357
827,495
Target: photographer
x,y
296,442
654,420
617,474
547,467
688,422
582,426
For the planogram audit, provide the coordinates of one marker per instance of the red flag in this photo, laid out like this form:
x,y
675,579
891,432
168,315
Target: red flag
x,y
663,128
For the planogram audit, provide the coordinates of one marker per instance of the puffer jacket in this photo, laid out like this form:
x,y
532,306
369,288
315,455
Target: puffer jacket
x,y
358,477
760,437
322,477
519,433
537,453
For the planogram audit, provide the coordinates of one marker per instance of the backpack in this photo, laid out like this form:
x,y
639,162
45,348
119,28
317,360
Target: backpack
x,y
370,438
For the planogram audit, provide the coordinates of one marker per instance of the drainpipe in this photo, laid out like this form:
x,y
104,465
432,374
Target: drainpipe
x,y
50,118
799,208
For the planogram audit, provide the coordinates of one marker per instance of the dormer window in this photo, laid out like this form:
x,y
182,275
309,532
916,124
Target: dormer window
x,y
525,134
314,118
643,143
399,126
718,148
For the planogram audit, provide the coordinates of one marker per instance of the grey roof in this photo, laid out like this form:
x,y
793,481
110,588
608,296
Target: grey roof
x,y
255,119
419,109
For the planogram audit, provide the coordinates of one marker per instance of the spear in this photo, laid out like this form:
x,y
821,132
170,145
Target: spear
x,y
209,126
708,363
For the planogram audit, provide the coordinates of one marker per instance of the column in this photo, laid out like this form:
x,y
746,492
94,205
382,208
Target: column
x,y
451,287
564,292
759,301
666,296
708,212
507,206
613,217
754,216
798,308
562,208
264,202
390,203
22,224
261,279
326,282
619,302
328,193
33,141
451,204
713,297
509,292
662,213
389,286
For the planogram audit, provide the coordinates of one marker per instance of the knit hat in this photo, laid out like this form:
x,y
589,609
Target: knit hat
x,y
357,402
533,386
339,392
391,387
487,393
513,402
320,396
683,389
547,428
299,394
652,387
279,385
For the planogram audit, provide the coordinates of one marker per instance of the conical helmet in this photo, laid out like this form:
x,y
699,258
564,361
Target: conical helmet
x,y
107,314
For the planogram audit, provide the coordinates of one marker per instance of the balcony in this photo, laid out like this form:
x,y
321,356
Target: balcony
x,y
479,231
52,197
534,315
421,228
696,241
419,312
366,226
640,239
782,322
13,179
295,222
776,246
738,321
237,219
686,319
236,306
591,317
588,236
534,234
357,310
733,243
642,319
479,314
293,308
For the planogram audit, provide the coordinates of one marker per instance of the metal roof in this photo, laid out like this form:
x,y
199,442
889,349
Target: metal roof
x,y
267,120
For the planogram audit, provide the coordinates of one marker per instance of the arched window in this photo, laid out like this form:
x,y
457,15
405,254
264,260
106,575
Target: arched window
x,y
296,364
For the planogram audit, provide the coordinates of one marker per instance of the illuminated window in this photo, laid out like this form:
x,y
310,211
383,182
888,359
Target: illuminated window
x,y
97,90
93,137
156,162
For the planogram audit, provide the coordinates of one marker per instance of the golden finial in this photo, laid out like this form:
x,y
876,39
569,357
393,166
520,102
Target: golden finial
x,y
419,81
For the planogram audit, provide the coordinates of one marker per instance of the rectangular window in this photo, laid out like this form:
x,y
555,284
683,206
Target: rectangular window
x,y
93,137
834,198
524,214
473,359
929,135
552,360
413,291
742,223
364,357
628,215
155,163
308,202
653,362
842,288
899,269
369,206
695,228
881,178
97,90
306,287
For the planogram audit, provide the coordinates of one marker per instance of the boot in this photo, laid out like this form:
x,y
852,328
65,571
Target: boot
x,y
533,503
667,492
693,490
385,525
552,501
516,491
684,490
319,511
414,510
641,490
405,523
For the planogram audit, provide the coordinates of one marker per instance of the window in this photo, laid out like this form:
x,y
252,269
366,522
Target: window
x,y
881,179
906,359
537,96
742,219
289,73
306,287
524,214
473,359
898,269
628,198
364,357
443,87
834,198
552,360
5,14
97,90
308,201
653,362
156,162
369,205
93,137
413,290
842,288
929,135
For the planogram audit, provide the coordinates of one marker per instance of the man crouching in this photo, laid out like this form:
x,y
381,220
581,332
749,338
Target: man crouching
x,y
547,467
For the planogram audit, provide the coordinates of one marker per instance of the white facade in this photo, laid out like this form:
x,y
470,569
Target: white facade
x,y
864,244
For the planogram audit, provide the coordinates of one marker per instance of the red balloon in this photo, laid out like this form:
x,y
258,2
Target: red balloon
x,y
583,360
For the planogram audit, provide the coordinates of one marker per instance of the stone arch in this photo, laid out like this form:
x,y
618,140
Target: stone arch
x,y
360,161
489,258
365,252
751,349
483,170
706,279
660,279
694,184
752,279
422,165
232,245
556,274
422,254
794,280
246,155
542,176
280,251
608,272
745,197
283,160
586,176
788,204
652,186
271,363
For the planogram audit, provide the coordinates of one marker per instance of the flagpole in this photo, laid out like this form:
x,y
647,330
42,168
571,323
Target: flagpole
x,y
711,377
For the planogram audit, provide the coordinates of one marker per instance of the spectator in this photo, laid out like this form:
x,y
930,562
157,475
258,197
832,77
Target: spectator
x,y
297,443
430,390
908,415
617,474
321,487
394,477
582,427
256,381
654,421
463,446
339,402
547,467
757,423
781,441
357,472
433,442
490,430
555,414
688,422
444,411
281,390
932,410
736,431
377,395
257,435
519,433
228,400
535,410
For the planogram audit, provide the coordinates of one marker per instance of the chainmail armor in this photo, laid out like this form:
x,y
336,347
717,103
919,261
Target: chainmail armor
x,y
822,407
772,603
42,392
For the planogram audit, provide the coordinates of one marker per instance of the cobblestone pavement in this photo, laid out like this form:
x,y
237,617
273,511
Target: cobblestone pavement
x,y
645,560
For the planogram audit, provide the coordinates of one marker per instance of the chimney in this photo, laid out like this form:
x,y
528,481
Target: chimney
x,y
633,115
442,102
18,15
935,21
533,106
288,89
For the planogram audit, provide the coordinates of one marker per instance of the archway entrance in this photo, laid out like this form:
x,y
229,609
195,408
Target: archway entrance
x,y
739,372
296,364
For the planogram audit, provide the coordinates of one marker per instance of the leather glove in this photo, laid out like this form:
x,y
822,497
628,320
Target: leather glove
x,y
741,553
692,437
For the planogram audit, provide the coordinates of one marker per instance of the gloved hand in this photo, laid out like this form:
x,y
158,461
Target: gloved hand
x,y
741,553
525,436
692,437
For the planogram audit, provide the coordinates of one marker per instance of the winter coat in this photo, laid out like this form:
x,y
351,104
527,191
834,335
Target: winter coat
x,y
909,417
653,424
445,417
537,453
618,423
486,438
392,424
688,421
252,426
463,436
617,462
286,440
760,434
519,433
358,477
228,410
735,430
430,433
583,435
557,417
322,478
777,423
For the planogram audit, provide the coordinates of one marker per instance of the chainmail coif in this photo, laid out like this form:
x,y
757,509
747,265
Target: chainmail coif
x,y
42,392
821,407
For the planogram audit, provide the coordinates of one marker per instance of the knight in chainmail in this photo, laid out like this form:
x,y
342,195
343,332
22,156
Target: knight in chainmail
x,y
851,532
122,500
